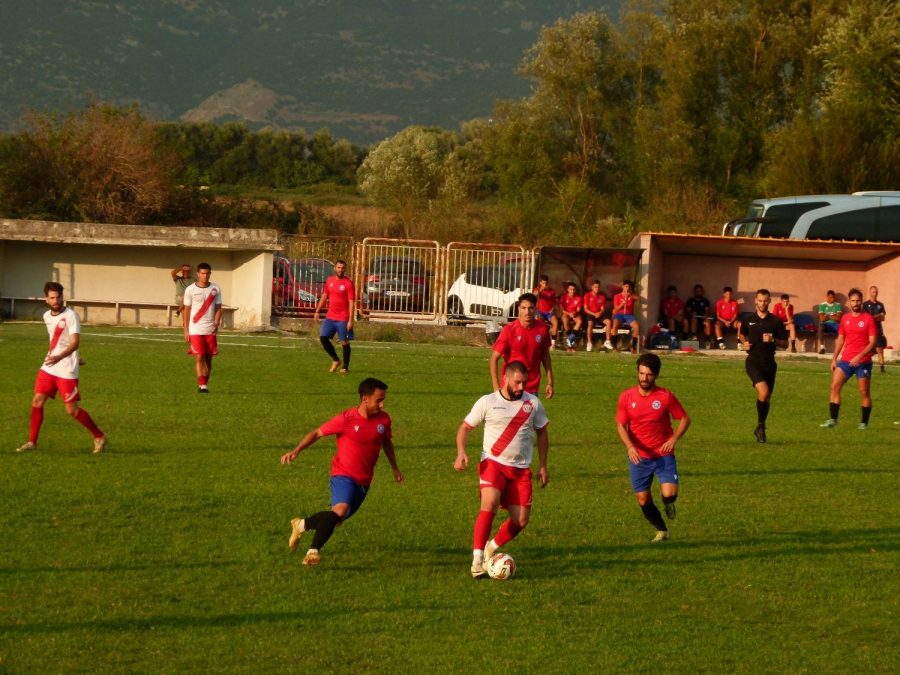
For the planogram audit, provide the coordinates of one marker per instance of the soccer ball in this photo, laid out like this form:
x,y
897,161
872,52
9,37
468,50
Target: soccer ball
x,y
501,567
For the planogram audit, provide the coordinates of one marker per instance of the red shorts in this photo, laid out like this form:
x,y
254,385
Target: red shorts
x,y
204,345
48,385
513,482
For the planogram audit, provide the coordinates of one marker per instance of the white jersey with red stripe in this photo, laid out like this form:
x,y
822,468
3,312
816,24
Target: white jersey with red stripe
x,y
202,301
61,327
509,427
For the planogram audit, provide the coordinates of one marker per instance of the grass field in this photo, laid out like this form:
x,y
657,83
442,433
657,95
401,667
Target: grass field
x,y
169,552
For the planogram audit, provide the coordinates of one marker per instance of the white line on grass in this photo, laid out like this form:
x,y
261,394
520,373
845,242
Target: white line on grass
x,y
227,343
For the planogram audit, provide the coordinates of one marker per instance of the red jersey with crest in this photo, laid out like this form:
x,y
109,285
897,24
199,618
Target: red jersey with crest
x,y
359,442
648,418
672,306
594,303
621,298
856,331
571,304
784,313
340,292
726,309
546,299
528,345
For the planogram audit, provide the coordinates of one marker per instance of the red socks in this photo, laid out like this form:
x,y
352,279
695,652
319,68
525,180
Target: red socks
x,y
86,421
483,524
34,428
203,380
508,530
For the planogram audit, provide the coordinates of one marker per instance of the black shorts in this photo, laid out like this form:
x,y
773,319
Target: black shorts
x,y
761,372
881,342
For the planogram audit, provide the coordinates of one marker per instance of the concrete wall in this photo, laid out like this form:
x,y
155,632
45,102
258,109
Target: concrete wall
x,y
132,264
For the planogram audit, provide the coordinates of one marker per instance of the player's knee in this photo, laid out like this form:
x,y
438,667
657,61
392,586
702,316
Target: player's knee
x,y
643,499
71,409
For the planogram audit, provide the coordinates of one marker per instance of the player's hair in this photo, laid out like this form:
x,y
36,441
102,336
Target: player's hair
x,y
696,286
204,266
785,296
368,386
596,281
629,283
530,297
763,291
830,292
651,361
53,286
671,288
544,277
571,284
517,367
854,291
340,262
727,289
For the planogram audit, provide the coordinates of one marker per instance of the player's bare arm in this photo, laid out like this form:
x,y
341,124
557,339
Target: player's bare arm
x,y
319,306
462,437
838,347
669,446
543,444
633,455
352,310
304,443
52,359
548,368
388,448
217,320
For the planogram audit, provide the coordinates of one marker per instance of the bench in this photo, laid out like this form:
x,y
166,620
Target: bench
x,y
115,305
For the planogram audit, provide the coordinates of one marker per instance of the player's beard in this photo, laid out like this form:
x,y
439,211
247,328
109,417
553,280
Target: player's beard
x,y
514,396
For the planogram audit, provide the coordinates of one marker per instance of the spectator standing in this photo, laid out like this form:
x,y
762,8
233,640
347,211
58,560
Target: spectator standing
x,y
183,278
594,303
876,308
726,316
570,306
784,310
829,319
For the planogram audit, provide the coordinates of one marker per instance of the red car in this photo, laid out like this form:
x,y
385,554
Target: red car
x,y
297,285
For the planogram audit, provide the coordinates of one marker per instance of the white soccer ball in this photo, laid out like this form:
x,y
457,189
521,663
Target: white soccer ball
x,y
501,566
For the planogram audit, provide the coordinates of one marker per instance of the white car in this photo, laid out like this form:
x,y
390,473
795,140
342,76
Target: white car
x,y
488,292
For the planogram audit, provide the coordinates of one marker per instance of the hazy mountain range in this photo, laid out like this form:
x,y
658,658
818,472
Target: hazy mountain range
x,y
364,69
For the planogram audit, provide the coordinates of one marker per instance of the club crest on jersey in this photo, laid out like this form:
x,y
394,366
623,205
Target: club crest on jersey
x,y
527,407
380,428
861,324
341,287
355,427
656,405
538,338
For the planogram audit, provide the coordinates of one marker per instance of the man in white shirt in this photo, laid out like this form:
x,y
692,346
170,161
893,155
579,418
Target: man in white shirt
x,y
512,417
59,373
201,318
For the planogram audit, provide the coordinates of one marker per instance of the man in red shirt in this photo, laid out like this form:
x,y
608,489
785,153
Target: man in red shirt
x,y
784,310
570,305
546,306
857,337
341,296
726,316
594,304
527,340
672,310
362,432
643,422
624,312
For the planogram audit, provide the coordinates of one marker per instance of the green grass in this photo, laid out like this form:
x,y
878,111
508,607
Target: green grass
x,y
169,552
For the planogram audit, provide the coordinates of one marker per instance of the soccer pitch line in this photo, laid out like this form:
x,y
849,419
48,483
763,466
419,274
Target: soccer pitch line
x,y
225,341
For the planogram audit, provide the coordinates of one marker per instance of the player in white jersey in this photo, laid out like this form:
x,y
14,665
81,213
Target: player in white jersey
x,y
512,417
201,318
59,373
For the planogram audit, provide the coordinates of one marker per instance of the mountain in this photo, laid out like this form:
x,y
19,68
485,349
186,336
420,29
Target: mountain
x,y
363,69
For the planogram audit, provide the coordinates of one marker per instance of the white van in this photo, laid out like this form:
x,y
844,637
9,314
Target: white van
x,y
781,216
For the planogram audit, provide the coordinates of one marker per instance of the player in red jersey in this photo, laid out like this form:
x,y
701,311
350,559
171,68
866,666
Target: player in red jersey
x,y
341,296
726,316
512,417
546,305
594,305
362,433
201,319
59,373
784,310
527,340
624,304
643,422
672,309
857,337
570,304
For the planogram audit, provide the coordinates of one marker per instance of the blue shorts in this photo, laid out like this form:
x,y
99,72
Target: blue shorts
x,y
642,474
546,316
830,327
624,318
863,371
330,327
345,491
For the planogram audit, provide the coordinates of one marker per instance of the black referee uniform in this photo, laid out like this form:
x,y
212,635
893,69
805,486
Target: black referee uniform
x,y
760,363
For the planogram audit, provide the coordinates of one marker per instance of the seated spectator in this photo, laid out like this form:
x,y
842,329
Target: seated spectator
x,y
697,314
624,305
570,306
546,306
672,309
784,310
726,316
594,304
829,319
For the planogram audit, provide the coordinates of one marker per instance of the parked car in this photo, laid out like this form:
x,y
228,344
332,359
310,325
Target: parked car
x,y
297,285
397,284
487,292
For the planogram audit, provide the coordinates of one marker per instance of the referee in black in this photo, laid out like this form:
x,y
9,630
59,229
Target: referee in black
x,y
760,334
